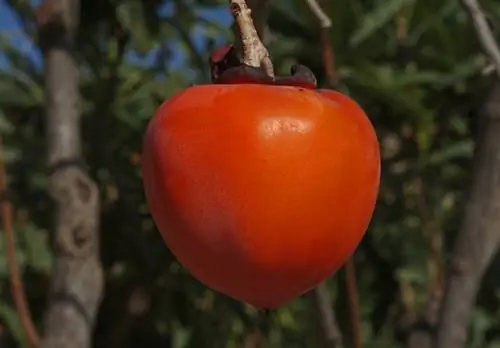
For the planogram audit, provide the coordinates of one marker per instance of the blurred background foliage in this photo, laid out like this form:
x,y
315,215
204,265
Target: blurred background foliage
x,y
415,66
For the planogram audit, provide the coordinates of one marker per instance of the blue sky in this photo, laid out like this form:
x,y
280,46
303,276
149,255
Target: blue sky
x,y
10,28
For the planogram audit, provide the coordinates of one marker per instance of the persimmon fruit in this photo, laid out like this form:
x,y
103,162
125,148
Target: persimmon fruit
x,y
261,190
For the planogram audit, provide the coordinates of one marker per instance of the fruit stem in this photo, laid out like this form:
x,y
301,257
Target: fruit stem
x,y
254,52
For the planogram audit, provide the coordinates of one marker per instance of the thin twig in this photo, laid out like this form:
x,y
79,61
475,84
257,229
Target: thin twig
x,y
254,52
332,79
324,21
16,284
401,27
353,301
330,332
325,24
328,58
483,32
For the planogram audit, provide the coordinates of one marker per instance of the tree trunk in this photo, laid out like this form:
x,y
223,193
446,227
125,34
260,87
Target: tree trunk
x,y
77,280
478,238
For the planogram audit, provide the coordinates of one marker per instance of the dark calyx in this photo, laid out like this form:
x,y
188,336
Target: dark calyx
x,y
227,68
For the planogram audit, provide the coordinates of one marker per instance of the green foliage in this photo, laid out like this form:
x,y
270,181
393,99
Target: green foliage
x,y
416,68
376,19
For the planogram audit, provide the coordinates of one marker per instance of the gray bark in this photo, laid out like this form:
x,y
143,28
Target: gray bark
x,y
479,236
77,279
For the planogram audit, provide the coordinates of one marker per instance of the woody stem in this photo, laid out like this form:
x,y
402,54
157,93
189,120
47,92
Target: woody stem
x,y
254,52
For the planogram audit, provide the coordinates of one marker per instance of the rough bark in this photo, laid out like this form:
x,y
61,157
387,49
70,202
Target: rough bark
x,y
478,238
77,280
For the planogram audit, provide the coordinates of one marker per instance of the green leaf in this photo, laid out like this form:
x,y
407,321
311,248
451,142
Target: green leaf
x,y
11,154
180,336
376,19
461,149
20,255
18,60
11,319
17,88
38,253
6,126
412,274
134,18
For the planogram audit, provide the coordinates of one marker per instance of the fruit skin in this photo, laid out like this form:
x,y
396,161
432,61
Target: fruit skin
x,y
261,192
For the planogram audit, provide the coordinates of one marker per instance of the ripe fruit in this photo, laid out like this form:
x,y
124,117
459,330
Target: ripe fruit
x,y
261,191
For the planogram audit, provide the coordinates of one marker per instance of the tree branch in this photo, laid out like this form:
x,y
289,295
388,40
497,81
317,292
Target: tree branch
x,y
331,331
353,299
478,238
16,283
325,24
77,277
324,20
483,32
